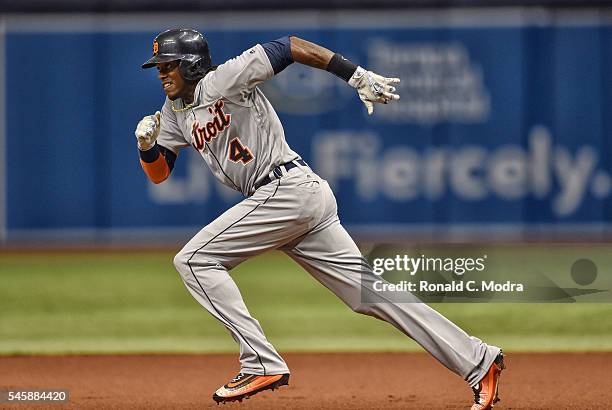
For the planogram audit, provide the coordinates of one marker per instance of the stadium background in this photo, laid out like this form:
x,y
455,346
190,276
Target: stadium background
x,y
502,138
503,128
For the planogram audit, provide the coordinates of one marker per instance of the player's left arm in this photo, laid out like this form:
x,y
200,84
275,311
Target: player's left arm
x,y
157,163
156,160
372,88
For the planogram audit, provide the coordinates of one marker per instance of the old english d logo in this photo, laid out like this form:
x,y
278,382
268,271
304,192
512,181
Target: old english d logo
x,y
155,47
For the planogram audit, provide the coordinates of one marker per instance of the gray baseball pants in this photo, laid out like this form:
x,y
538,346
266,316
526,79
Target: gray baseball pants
x,y
298,214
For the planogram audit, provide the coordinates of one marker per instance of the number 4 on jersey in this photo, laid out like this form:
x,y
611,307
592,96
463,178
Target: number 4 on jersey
x,y
239,153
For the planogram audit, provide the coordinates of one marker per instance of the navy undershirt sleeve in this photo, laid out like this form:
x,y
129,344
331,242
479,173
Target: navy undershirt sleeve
x,y
279,53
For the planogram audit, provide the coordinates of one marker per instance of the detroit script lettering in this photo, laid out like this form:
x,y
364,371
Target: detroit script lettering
x,y
207,132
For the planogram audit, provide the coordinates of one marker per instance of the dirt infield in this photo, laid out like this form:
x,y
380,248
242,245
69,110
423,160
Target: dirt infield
x,y
330,381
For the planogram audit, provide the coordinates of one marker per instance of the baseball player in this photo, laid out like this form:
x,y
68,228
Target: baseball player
x,y
220,112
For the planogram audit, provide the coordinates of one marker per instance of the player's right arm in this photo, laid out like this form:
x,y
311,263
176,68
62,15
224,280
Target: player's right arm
x,y
236,79
159,139
371,87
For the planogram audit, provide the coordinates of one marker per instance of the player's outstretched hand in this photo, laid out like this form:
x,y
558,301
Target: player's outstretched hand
x,y
147,131
372,88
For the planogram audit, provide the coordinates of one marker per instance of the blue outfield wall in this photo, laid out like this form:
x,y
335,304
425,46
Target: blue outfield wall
x,y
505,125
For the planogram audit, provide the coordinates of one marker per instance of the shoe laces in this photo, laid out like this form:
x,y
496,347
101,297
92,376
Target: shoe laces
x,y
476,391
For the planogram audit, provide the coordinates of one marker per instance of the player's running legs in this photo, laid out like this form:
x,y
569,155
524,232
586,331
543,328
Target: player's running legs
x,y
276,214
332,257
298,213
203,264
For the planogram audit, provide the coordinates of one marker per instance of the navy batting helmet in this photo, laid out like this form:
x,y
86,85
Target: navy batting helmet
x,y
188,46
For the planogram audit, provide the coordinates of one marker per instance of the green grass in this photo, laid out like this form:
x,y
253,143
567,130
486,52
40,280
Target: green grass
x,y
107,302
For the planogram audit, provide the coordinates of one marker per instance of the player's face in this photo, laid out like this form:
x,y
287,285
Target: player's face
x,y
174,85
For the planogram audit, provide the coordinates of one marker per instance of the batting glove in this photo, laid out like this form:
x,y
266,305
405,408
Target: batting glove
x,y
147,131
373,88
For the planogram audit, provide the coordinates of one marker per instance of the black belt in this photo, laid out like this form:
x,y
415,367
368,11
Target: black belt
x,y
278,172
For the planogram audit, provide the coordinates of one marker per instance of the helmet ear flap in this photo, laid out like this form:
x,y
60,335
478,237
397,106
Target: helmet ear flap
x,y
191,71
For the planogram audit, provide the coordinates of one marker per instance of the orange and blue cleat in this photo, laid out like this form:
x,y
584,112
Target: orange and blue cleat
x,y
486,391
245,385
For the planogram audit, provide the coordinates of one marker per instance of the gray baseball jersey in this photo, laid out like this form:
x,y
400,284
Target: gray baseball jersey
x,y
231,123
